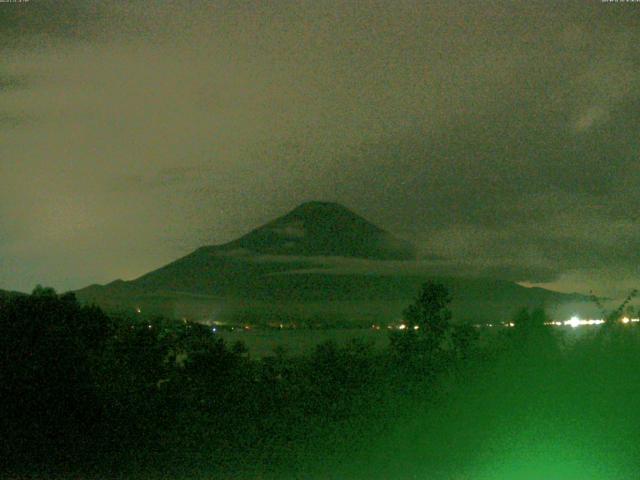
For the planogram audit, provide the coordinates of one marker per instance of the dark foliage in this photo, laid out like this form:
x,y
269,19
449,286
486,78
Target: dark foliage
x,y
48,348
111,397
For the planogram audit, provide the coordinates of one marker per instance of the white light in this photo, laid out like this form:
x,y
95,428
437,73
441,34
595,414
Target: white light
x,y
416,327
402,326
573,322
214,329
625,319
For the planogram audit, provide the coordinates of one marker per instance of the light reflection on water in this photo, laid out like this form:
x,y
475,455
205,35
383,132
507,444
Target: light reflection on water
x,y
262,342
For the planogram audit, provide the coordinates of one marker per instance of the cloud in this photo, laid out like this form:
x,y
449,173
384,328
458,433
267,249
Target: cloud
x,y
134,132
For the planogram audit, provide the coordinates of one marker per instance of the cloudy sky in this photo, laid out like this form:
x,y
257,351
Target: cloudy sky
x,y
502,136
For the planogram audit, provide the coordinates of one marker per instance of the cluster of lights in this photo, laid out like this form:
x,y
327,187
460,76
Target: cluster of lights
x,y
401,326
575,322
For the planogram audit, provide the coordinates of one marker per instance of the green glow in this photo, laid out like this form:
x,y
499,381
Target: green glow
x,y
537,464
568,455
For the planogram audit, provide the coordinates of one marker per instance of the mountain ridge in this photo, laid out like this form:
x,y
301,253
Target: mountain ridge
x,y
323,229
284,264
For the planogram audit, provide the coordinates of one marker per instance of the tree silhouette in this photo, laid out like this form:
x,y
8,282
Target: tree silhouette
x,y
430,312
48,344
420,345
526,320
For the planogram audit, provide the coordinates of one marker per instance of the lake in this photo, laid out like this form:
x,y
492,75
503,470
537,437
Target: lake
x,y
261,342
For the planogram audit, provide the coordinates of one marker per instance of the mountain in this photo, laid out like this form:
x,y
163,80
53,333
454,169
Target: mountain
x,y
302,264
301,239
324,229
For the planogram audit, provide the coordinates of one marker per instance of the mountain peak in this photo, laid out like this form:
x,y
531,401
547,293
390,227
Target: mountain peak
x,y
320,205
326,213
317,228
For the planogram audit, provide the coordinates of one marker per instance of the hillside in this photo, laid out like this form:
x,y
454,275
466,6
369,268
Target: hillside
x,y
324,229
287,267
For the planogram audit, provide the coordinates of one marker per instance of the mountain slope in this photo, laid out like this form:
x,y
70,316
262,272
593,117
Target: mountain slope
x,y
290,242
324,229
289,264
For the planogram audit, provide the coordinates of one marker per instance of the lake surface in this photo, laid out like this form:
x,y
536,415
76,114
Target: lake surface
x,y
262,342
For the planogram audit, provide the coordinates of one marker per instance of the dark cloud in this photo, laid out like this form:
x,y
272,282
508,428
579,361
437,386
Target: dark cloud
x,y
503,138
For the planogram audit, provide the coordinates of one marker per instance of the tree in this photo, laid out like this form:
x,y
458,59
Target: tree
x,y
48,347
422,349
526,320
430,312
522,319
